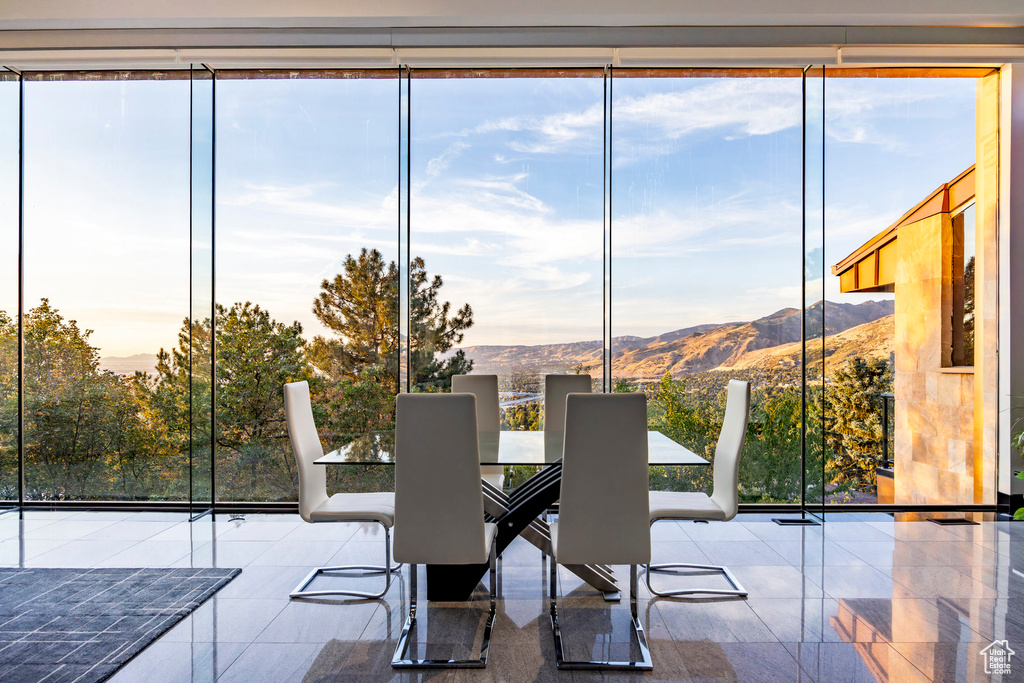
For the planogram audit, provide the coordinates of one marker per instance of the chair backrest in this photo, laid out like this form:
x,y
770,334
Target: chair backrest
x,y
556,388
725,492
604,513
439,504
307,448
485,388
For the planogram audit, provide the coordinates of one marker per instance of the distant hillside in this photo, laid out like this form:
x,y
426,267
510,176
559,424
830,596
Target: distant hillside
x,y
766,343
559,357
869,340
703,347
127,365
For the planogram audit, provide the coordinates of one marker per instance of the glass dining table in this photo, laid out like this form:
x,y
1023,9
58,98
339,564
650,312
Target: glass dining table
x,y
517,512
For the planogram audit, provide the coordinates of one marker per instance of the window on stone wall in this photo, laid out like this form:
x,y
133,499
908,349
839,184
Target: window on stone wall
x,y
962,313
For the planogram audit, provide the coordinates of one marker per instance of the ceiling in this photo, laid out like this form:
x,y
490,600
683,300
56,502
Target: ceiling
x,y
121,14
162,34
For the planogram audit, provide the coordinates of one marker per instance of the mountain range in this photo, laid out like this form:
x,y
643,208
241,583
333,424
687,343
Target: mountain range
x,y
851,330
127,365
771,342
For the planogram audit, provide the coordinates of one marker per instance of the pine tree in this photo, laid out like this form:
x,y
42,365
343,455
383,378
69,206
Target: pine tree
x,y
853,423
435,331
361,304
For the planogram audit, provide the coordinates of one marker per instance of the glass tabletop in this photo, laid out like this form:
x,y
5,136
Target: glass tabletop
x,y
504,448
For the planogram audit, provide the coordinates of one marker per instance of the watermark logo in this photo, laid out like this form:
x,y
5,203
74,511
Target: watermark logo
x,y
997,657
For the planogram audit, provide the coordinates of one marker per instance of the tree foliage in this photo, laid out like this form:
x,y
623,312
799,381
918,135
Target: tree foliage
x,y
91,434
360,306
256,356
771,469
435,330
8,407
88,433
969,312
853,424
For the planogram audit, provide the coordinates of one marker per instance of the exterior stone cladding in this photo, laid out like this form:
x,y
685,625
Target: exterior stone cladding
x,y
934,411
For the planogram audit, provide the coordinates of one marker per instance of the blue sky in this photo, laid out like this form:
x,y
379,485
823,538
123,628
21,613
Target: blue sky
x,y
507,194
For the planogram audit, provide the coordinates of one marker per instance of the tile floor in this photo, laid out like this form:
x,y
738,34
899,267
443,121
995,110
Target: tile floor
x,y
862,598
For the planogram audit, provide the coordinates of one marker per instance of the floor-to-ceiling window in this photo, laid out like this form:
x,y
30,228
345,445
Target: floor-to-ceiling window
x,y
106,283
9,170
506,236
306,268
896,142
641,226
706,267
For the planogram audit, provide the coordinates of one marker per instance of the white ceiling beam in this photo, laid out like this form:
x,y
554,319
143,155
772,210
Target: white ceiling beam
x,y
195,14
581,37
930,55
379,58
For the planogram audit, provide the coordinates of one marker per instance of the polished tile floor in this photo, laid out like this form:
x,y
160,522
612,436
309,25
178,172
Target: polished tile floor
x,y
863,598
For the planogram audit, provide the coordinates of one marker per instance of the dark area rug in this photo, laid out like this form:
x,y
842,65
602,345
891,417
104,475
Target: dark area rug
x,y
81,625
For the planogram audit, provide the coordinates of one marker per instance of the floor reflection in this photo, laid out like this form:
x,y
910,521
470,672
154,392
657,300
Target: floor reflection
x,y
865,597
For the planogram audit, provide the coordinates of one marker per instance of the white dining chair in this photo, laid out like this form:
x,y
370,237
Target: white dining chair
x,y
316,506
603,517
488,415
556,388
723,503
439,505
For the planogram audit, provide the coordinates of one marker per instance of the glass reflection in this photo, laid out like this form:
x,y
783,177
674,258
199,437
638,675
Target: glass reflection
x,y
818,314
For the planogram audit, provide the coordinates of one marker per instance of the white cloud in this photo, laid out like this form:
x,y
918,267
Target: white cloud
x,y
551,133
323,204
744,106
734,107
729,226
853,109
442,161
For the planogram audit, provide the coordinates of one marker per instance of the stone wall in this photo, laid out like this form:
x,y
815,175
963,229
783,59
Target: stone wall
x,y
947,418
934,411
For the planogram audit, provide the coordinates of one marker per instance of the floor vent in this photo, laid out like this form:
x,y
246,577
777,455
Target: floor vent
x,y
795,521
953,522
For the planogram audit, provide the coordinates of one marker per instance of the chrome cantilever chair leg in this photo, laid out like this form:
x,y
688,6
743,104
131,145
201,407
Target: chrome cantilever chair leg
x,y
737,590
388,569
399,661
644,663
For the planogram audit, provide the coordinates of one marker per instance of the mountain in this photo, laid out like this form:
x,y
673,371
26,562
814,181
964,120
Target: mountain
x,y
864,329
703,347
559,357
868,340
127,365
